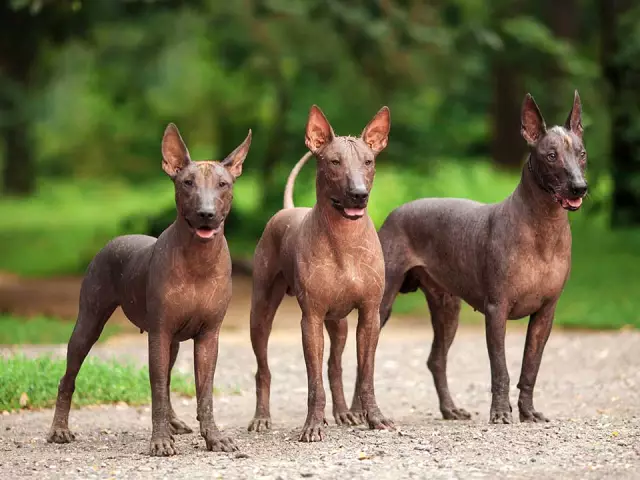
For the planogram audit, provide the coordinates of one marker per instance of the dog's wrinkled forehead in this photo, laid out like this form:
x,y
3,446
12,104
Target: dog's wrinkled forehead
x,y
208,170
348,150
562,140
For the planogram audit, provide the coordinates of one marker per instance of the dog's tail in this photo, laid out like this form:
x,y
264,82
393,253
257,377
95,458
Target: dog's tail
x,y
288,189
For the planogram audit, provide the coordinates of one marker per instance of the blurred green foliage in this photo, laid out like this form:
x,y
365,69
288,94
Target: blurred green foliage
x,y
41,330
86,97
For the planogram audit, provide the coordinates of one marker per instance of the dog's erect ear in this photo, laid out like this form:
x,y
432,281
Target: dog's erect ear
x,y
376,133
532,123
175,155
319,131
574,120
233,162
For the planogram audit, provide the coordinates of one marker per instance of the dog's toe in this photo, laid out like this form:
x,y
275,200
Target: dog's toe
x,y
501,417
456,414
533,417
218,443
178,427
162,447
260,424
60,435
346,418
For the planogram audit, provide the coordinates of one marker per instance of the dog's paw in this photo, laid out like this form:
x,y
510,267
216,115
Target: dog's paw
x,y
313,431
346,418
260,424
162,446
532,416
358,414
377,421
500,416
455,414
60,435
216,442
178,427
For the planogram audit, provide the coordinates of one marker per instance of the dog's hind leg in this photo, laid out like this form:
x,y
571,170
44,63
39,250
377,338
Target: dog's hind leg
x,y
97,303
176,425
338,330
445,312
265,300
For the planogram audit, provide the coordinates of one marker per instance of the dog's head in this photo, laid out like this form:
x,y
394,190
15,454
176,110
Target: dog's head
x,y
346,165
204,190
558,157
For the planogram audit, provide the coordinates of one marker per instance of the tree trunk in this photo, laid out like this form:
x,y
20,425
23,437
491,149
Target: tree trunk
x,y
18,51
507,147
619,61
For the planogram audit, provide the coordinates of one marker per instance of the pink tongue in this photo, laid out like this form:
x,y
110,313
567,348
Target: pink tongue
x,y
205,232
575,203
354,212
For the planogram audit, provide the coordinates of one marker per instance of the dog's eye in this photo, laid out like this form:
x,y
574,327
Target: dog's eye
x,y
551,156
583,154
368,162
188,183
223,184
335,162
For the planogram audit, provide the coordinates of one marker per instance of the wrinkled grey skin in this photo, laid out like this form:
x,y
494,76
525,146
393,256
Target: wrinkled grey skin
x,y
176,288
507,260
329,257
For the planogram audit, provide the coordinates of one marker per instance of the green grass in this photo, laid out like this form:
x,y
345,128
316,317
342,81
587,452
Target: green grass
x,y
41,330
98,382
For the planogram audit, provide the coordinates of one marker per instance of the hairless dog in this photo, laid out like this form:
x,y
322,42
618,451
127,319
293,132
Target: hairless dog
x,y
176,288
507,260
329,257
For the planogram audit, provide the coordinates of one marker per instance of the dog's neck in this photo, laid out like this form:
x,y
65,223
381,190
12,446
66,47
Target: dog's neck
x,y
538,206
196,251
331,220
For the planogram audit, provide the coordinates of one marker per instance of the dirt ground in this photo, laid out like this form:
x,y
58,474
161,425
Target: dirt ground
x,y
589,384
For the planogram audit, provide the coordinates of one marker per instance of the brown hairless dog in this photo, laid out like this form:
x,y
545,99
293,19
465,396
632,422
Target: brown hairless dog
x,y
507,260
176,288
329,257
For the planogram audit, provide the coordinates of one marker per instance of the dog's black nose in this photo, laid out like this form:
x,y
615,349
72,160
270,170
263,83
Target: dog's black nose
x,y
579,189
206,214
358,194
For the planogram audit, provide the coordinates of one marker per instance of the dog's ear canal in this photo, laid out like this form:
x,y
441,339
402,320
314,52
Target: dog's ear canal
x,y
175,155
376,133
532,124
319,131
574,120
233,162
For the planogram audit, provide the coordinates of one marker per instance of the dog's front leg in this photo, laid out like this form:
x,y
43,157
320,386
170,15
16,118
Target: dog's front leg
x,y
496,322
159,357
313,347
205,359
367,335
538,332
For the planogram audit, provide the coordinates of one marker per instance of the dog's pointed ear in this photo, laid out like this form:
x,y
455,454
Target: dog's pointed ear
x,y
532,124
319,132
175,155
233,162
376,133
574,120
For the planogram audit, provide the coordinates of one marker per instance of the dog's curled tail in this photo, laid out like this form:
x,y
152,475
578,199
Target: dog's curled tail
x,y
288,189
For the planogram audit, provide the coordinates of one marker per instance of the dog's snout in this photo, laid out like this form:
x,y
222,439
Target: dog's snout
x,y
579,189
206,214
359,194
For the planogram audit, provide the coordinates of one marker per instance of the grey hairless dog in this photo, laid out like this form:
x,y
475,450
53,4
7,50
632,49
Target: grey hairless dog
x,y
176,288
507,260
329,257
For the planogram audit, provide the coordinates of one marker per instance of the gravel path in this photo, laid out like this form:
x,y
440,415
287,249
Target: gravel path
x,y
589,384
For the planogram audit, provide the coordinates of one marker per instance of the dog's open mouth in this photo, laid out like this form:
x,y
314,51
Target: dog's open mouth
x,y
352,213
571,204
206,232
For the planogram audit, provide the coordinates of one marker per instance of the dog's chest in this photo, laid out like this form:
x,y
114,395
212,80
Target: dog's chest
x,y
339,281
535,279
